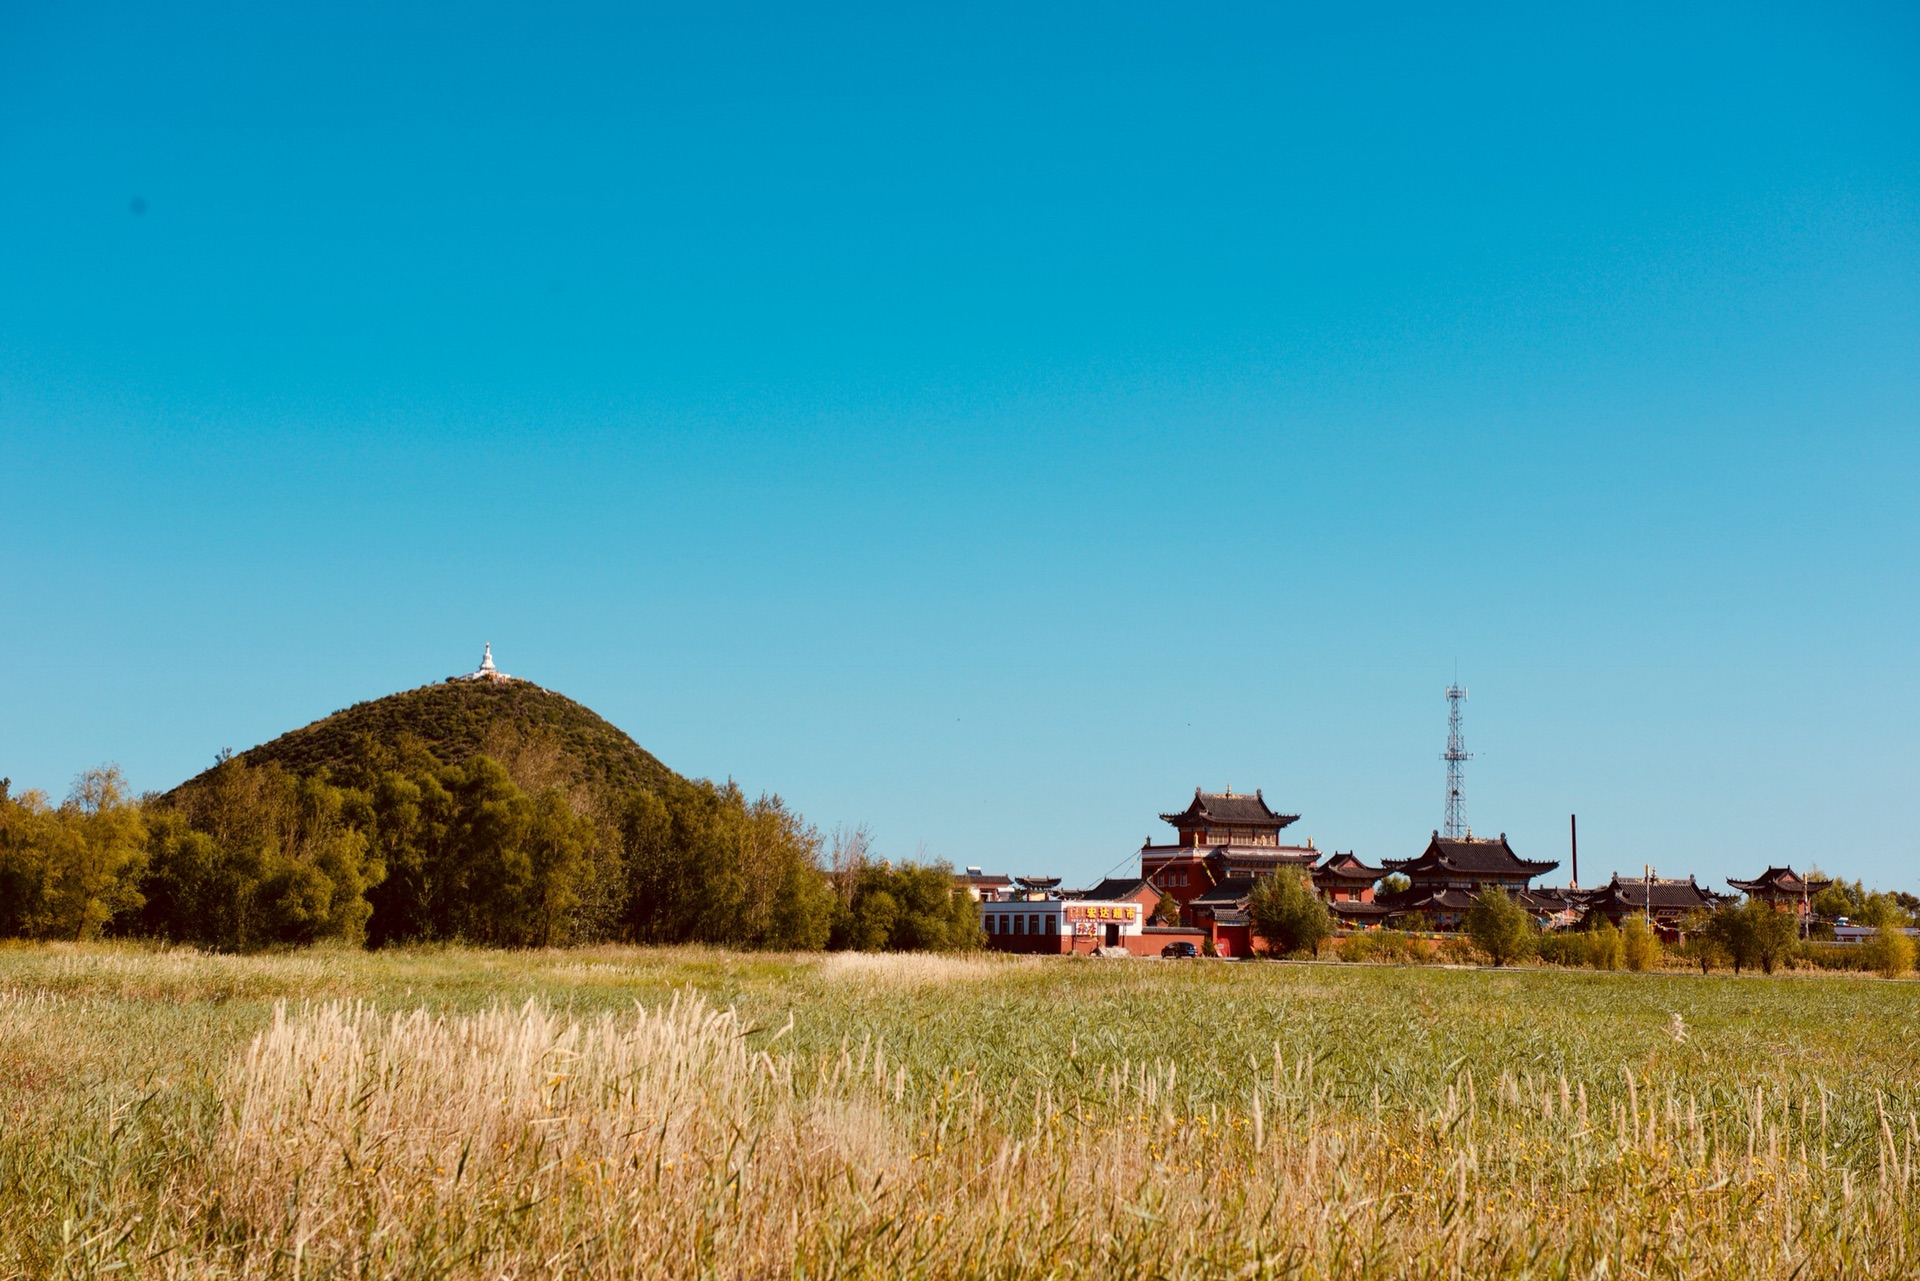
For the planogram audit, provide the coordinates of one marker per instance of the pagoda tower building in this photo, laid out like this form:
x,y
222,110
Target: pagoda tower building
x,y
1782,889
1222,837
487,671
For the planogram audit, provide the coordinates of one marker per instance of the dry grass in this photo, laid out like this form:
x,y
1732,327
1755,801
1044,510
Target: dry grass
x,y
675,1137
920,970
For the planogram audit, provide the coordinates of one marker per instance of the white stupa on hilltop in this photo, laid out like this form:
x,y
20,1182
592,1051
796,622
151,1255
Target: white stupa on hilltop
x,y
487,671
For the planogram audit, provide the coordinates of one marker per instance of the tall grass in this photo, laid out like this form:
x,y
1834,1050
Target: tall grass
x,y
673,1136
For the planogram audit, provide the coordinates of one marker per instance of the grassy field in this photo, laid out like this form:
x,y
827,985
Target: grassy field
x,y
687,1113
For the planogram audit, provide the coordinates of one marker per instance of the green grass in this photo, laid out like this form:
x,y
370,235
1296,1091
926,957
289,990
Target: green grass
x,y
1751,1101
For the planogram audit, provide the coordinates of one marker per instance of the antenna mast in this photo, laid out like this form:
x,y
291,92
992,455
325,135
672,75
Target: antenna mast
x,y
1455,756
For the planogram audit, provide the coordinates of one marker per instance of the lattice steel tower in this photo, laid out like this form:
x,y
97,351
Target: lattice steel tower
x,y
1455,756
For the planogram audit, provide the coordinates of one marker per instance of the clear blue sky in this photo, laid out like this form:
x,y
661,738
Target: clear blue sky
x,y
990,426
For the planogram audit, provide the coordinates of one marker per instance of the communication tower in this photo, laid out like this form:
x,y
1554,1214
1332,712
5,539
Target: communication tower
x,y
1455,756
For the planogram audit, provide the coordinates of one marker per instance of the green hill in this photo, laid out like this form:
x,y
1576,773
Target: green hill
x,y
459,719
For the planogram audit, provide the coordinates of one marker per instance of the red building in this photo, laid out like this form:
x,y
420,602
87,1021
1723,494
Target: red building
x,y
1221,914
1113,914
1342,878
1782,888
1222,836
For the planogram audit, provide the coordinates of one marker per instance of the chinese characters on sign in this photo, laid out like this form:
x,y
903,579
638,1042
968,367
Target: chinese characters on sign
x,y
1126,913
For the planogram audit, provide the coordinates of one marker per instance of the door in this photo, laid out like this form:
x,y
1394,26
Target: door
x,y
1113,936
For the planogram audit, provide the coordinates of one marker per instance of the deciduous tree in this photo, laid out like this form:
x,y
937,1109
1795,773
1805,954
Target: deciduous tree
x,y
1287,913
1499,926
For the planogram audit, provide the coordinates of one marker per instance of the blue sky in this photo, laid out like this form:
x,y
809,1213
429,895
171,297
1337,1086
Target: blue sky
x,y
989,426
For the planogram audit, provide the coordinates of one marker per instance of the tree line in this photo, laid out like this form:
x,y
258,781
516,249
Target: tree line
x,y
1751,935
403,848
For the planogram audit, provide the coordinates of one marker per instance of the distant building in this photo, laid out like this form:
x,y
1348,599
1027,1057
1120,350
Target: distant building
x,y
1122,889
1782,888
486,671
1450,872
1222,836
1107,916
1342,878
1221,913
983,888
1229,818
1554,907
1664,902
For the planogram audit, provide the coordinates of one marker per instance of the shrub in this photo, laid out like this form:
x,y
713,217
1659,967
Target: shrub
x,y
1562,947
1835,956
1288,914
1455,950
1704,952
1395,948
1753,934
1639,949
1604,949
1890,951
1499,926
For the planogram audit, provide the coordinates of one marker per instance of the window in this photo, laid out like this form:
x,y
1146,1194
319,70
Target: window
x,y
1019,925
1033,925
1053,925
989,924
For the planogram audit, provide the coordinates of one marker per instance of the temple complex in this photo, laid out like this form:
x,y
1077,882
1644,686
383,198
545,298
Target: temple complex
x,y
1199,887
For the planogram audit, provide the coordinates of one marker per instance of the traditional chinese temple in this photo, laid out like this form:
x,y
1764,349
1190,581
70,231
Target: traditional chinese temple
x,y
1783,888
1221,837
1664,902
1198,888
1343,878
1452,870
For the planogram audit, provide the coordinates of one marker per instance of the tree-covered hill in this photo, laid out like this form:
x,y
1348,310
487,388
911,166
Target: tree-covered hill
x,y
458,720
490,811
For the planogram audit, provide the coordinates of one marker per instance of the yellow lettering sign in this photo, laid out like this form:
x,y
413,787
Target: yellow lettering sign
x,y
1103,912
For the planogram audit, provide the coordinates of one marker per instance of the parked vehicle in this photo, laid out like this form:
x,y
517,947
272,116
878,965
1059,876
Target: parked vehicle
x,y
1177,950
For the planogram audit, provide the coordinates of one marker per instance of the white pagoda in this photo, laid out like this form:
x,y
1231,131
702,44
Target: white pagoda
x,y
487,671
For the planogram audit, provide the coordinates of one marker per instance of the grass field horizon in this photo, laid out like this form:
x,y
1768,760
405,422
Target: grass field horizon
x,y
687,1112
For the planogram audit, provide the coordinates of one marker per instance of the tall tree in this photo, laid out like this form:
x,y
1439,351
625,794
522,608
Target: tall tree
x,y
1754,934
1287,913
97,860
909,908
706,866
252,857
